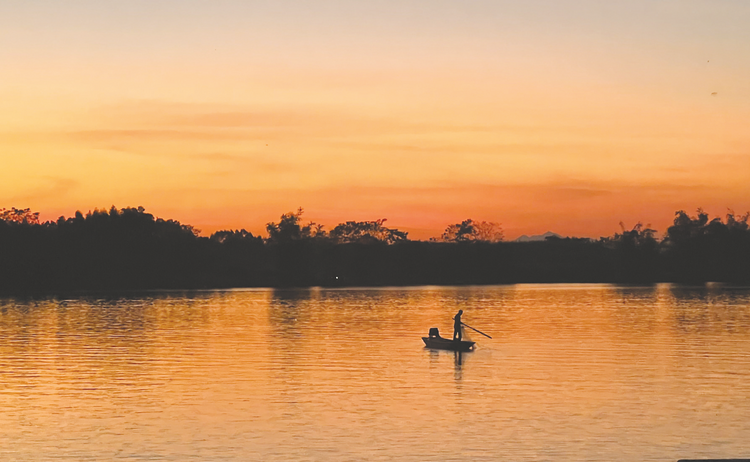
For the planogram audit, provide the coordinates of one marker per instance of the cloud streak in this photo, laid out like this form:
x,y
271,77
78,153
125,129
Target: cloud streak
x,y
53,188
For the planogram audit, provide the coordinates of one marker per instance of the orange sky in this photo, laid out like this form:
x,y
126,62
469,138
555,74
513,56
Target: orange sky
x,y
562,116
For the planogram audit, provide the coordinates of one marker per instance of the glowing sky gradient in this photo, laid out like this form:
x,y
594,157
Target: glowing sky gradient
x,y
540,115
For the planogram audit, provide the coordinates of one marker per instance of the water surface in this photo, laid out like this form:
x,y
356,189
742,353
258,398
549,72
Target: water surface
x,y
573,372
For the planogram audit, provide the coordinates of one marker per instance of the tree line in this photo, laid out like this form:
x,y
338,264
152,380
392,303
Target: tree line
x,y
128,248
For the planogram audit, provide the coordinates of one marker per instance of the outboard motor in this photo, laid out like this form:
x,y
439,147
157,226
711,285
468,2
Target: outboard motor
x,y
434,332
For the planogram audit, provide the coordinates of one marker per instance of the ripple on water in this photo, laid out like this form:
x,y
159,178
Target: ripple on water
x,y
575,372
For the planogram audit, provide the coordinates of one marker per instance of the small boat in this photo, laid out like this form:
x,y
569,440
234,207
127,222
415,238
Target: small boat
x,y
440,343
437,342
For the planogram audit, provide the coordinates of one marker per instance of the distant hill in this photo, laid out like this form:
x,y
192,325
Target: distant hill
x,y
538,237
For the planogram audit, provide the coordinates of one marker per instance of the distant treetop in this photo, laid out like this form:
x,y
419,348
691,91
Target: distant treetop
x,y
367,231
15,215
473,231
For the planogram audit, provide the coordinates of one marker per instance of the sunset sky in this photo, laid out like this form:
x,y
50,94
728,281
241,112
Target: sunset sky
x,y
568,116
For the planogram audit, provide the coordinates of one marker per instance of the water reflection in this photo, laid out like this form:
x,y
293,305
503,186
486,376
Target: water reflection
x,y
457,357
581,372
710,309
439,365
293,295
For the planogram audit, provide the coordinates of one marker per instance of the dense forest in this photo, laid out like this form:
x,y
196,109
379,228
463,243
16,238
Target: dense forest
x,y
121,249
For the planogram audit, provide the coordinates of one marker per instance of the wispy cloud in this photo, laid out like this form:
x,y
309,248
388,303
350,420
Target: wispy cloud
x,y
52,188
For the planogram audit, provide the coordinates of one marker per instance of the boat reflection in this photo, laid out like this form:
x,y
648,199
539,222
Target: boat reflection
x,y
459,360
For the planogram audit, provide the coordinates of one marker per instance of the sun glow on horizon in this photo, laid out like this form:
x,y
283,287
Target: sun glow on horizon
x,y
541,116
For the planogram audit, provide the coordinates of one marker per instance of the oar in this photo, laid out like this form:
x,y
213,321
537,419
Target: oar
x,y
475,330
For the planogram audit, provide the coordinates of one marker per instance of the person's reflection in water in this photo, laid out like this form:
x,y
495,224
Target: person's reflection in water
x,y
457,325
457,366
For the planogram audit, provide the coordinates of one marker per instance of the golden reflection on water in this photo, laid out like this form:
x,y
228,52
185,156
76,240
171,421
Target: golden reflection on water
x,y
574,372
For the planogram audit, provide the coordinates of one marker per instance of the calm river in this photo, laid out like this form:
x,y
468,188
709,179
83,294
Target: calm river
x,y
573,373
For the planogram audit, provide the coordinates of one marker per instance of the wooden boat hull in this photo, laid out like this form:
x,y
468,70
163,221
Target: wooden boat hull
x,y
440,343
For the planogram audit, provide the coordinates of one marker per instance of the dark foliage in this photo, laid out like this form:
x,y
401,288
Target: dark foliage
x,y
366,232
636,254
473,231
698,249
128,248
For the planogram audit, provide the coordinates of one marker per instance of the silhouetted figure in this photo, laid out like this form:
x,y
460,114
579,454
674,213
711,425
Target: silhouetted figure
x,y
457,325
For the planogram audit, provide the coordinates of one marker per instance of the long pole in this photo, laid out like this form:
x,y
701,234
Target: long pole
x,y
475,330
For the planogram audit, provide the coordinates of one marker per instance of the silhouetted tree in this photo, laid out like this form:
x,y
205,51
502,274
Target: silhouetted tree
x,y
366,231
639,237
289,228
295,248
230,236
686,228
240,259
108,249
637,252
15,215
737,223
699,249
473,231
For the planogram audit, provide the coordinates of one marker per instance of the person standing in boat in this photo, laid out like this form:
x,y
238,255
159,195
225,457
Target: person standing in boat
x,y
457,325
